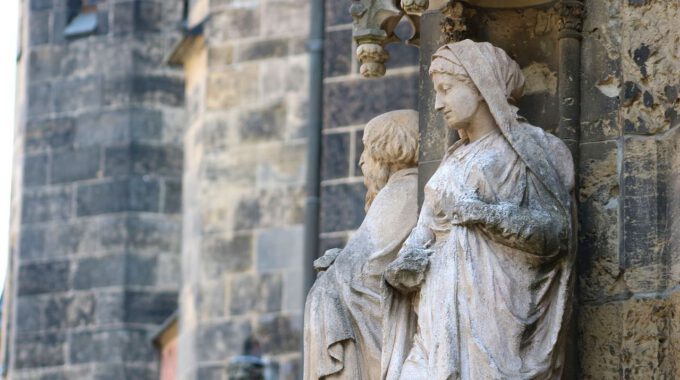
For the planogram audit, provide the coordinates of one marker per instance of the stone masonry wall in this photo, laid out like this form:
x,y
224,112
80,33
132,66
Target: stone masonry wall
x,y
245,153
629,185
97,192
350,101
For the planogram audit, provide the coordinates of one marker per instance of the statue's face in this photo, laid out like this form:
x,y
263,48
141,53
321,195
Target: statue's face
x,y
456,99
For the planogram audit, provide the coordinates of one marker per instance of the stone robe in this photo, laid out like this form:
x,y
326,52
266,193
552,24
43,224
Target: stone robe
x,y
495,300
343,312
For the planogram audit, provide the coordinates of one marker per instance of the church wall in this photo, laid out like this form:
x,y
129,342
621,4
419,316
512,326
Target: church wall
x,y
628,299
97,192
245,154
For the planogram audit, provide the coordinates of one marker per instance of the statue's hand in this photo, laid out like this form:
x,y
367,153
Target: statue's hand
x,y
464,210
328,258
407,272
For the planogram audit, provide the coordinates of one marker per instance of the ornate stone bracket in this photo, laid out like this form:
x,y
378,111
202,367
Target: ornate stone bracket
x,y
571,15
375,21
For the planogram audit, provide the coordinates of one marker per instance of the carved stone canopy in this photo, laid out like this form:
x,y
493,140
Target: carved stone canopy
x,y
374,22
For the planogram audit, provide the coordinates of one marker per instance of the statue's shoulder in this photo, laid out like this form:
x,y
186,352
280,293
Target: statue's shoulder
x,y
556,150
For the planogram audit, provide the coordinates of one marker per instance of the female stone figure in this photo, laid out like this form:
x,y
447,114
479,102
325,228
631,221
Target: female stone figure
x,y
490,259
343,319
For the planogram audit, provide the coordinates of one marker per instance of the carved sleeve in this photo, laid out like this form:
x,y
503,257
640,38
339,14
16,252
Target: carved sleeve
x,y
539,226
422,236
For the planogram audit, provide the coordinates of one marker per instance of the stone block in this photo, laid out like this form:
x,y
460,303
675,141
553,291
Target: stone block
x,y
133,194
280,248
600,273
86,237
282,207
154,233
117,161
285,18
39,99
223,340
337,12
645,338
335,155
640,229
639,166
149,307
71,311
158,89
600,336
35,170
342,206
139,16
212,372
42,278
221,55
39,349
357,101
110,307
32,243
78,94
294,294
29,314
160,160
233,23
74,165
39,32
263,49
39,5
278,334
103,128
260,293
100,272
45,134
220,255
172,198
247,214
263,124
110,346
146,124
47,205
338,57
41,63
233,86
210,299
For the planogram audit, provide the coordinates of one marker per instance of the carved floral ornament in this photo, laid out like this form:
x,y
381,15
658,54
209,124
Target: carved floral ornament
x,y
375,21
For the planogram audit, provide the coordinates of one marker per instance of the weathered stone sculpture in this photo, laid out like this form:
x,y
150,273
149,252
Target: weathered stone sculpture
x,y
343,318
489,265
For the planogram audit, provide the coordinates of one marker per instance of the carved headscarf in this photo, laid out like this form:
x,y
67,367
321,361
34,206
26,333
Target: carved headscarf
x,y
500,81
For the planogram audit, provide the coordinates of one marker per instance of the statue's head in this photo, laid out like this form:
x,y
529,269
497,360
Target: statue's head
x,y
456,80
390,144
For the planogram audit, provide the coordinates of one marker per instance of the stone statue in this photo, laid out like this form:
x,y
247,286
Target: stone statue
x,y
343,318
489,265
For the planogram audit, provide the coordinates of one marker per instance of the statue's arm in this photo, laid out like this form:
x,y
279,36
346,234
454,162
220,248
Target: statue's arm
x,y
407,271
540,226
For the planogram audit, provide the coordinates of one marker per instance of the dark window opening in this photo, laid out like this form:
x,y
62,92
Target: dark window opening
x,y
82,18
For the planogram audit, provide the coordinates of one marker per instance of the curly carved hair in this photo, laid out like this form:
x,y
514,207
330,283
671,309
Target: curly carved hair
x,y
392,138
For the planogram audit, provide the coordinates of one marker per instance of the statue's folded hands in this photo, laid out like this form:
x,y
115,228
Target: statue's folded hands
x,y
407,272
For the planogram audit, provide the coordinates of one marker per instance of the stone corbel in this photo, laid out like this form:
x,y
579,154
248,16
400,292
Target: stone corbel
x,y
373,28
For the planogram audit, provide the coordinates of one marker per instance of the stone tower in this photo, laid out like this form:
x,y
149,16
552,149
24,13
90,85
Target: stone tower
x,y
96,225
